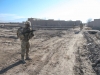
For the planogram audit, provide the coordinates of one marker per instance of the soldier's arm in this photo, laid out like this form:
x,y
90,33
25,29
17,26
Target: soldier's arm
x,y
31,30
31,34
27,31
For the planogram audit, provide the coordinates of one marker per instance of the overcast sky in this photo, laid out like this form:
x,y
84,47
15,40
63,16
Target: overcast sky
x,y
49,9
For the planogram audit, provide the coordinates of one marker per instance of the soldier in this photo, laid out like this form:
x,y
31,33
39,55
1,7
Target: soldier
x,y
25,34
81,26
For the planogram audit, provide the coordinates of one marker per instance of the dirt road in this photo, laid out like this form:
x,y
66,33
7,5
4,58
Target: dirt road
x,y
52,52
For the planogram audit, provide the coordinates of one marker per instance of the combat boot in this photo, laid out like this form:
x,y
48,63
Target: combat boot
x,y
96,63
22,59
27,57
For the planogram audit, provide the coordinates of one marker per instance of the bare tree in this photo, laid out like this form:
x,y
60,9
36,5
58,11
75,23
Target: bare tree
x,y
89,20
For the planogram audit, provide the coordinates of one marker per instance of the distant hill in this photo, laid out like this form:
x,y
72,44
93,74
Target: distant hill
x,y
18,20
15,20
1,21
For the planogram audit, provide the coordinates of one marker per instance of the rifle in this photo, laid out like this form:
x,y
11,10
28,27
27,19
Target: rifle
x,y
28,31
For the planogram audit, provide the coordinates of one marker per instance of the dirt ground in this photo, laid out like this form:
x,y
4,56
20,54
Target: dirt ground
x,y
53,52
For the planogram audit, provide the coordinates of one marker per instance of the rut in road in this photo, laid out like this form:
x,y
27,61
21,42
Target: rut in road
x,y
63,61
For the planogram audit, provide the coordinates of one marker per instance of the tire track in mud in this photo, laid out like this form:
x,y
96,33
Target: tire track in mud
x,y
62,62
45,59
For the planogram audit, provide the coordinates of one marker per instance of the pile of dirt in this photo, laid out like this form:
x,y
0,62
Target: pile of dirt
x,y
83,64
93,48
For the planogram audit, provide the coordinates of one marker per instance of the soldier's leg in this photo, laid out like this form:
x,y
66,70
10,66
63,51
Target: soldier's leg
x,y
27,51
22,51
22,54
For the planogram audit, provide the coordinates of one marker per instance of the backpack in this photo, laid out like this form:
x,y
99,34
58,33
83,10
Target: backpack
x,y
19,33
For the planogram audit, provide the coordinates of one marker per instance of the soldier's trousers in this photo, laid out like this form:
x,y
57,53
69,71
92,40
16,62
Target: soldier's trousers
x,y
24,49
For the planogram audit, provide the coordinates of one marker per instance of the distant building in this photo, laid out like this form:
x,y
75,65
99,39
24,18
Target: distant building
x,y
94,24
51,23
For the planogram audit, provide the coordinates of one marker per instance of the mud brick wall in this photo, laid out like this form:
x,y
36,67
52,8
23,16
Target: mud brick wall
x,y
94,24
52,24
44,24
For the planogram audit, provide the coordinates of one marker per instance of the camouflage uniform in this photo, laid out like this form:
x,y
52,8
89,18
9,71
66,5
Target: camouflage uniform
x,y
25,37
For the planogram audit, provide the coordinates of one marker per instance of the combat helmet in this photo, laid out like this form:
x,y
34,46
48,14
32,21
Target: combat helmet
x,y
28,23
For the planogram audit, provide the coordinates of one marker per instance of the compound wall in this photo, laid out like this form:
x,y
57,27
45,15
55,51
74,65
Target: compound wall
x,y
94,24
52,24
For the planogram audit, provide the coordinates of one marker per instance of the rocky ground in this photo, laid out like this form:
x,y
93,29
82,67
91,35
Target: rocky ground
x,y
53,52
